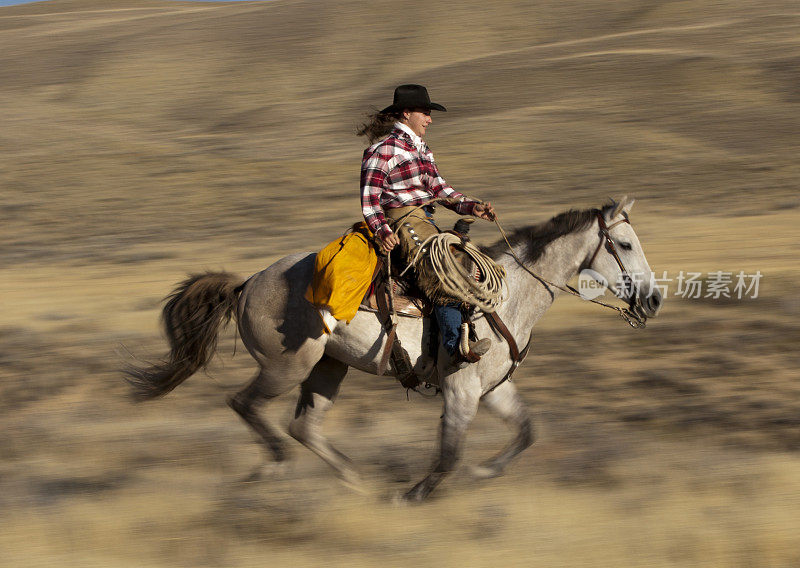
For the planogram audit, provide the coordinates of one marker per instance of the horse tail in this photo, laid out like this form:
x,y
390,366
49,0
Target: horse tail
x,y
192,317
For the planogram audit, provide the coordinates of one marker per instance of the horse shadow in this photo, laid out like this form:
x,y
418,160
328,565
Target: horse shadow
x,y
301,321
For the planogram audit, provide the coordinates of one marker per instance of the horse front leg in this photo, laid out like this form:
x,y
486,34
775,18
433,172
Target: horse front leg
x,y
461,397
506,403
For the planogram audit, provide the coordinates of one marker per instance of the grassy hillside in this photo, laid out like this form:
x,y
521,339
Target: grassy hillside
x,y
142,140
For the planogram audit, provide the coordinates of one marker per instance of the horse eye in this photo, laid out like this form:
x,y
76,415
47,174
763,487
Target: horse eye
x,y
625,246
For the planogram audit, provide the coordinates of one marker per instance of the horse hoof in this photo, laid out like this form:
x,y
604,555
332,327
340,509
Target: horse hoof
x,y
355,487
485,472
398,499
353,482
252,477
414,496
265,471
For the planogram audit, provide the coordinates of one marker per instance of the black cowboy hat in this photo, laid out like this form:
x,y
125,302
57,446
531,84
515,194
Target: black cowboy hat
x,y
412,96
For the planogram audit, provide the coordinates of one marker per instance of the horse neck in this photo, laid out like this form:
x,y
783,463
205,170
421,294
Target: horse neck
x,y
528,297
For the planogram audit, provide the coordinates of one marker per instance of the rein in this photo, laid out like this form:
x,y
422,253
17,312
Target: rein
x,y
632,318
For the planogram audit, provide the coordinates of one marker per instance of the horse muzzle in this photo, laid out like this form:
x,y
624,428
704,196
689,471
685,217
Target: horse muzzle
x,y
646,304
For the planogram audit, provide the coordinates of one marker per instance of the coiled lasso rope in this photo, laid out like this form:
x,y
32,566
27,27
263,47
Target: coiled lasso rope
x,y
485,293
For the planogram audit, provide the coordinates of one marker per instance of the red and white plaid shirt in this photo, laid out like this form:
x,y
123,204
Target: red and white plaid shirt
x,y
400,171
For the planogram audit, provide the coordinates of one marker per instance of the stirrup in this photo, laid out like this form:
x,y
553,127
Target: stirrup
x,y
472,351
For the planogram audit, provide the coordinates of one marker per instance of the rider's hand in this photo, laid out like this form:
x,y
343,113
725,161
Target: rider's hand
x,y
388,242
484,211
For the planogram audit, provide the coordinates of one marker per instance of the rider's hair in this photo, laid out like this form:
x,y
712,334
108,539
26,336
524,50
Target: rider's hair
x,y
377,125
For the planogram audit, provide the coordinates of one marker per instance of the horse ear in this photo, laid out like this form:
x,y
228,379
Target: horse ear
x,y
625,204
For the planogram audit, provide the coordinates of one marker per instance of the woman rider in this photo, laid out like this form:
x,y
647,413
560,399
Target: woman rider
x,y
398,173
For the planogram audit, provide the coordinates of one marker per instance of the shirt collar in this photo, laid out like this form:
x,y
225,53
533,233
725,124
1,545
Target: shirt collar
x,y
417,141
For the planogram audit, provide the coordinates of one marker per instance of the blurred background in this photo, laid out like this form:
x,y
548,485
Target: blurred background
x,y
145,139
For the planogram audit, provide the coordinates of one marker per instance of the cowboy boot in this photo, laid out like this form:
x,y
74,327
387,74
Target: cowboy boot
x,y
477,349
471,351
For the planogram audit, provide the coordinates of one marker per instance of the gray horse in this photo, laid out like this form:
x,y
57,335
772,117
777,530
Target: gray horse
x,y
283,333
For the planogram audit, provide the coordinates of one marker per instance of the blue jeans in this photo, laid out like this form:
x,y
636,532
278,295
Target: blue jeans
x,y
449,319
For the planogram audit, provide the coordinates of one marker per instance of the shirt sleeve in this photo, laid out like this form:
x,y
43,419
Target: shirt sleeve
x,y
374,172
440,188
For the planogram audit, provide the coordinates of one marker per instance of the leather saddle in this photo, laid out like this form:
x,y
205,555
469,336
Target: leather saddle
x,y
408,302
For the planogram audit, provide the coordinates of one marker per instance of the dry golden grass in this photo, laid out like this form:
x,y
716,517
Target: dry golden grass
x,y
143,139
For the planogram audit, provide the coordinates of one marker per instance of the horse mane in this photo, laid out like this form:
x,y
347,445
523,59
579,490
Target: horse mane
x,y
535,238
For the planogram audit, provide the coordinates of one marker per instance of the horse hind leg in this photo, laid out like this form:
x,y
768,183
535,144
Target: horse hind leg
x,y
246,404
317,395
506,403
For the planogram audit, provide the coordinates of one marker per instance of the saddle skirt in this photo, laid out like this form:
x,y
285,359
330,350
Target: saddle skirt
x,y
406,303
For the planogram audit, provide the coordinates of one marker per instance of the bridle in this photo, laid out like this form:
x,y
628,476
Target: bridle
x,y
633,313
606,238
